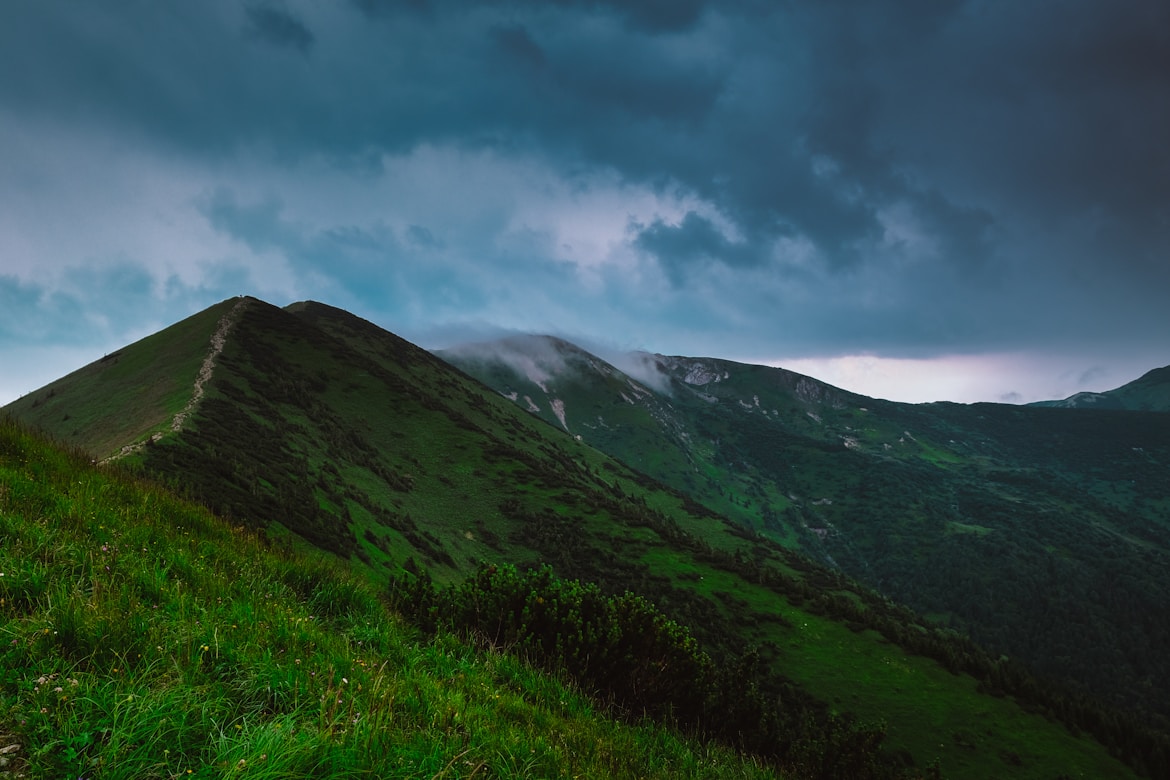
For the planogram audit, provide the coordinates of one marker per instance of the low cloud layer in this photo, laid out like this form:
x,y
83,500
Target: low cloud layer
x,y
911,180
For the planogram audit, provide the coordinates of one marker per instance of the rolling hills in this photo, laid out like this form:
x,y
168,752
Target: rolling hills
x,y
314,426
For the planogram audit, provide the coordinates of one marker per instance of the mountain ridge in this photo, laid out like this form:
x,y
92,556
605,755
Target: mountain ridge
x,y
907,498
319,425
1150,392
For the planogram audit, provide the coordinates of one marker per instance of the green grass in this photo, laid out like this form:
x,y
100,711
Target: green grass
x,y
317,411
956,527
129,394
947,508
928,712
141,637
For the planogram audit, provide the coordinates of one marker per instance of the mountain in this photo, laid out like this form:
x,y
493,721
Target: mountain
x,y
1042,534
1148,393
318,428
146,638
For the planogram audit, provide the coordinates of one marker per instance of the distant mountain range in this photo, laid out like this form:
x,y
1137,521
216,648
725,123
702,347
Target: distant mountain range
x,y
1010,523
747,502
1148,393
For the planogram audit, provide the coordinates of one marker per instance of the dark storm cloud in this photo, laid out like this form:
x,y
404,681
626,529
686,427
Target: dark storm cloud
x,y
648,15
354,255
516,42
274,25
897,177
385,8
695,240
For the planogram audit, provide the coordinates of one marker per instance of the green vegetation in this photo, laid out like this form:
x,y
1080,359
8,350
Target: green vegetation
x,y
1148,393
1040,533
622,649
127,395
144,638
319,427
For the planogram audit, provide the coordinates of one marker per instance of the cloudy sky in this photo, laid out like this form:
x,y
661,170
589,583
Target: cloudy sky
x,y
920,200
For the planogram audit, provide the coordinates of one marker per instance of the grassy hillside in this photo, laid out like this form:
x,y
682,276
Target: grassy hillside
x,y
1039,532
1148,393
130,394
145,638
318,423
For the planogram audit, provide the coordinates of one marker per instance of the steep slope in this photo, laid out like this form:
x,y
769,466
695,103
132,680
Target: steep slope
x,y
1040,533
317,422
142,390
653,415
145,638
1148,393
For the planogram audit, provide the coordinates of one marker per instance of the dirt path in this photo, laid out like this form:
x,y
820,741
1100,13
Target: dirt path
x,y
218,341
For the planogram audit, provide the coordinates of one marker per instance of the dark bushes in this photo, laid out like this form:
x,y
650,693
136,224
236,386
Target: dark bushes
x,y
633,658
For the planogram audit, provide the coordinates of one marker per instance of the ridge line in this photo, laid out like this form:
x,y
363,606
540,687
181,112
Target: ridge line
x,y
218,342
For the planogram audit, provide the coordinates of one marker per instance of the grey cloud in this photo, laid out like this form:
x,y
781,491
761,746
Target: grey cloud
x,y
517,42
662,15
656,16
694,241
1091,375
640,366
423,238
376,9
277,26
94,305
641,82
30,311
350,253
258,225
1024,147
